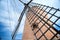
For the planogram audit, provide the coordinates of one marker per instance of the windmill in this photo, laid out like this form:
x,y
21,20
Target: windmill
x,y
38,25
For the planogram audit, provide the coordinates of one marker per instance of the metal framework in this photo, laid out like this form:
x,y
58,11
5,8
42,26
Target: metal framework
x,y
53,28
49,28
20,18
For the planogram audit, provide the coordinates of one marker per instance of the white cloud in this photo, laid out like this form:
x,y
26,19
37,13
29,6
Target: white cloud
x,y
51,3
9,17
21,28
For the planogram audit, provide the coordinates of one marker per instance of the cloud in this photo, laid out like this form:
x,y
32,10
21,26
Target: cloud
x,y
51,3
21,28
9,16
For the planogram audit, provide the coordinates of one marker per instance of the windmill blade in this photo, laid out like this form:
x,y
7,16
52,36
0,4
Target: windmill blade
x,y
19,21
29,2
20,18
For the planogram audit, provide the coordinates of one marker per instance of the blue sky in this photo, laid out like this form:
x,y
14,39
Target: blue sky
x,y
10,11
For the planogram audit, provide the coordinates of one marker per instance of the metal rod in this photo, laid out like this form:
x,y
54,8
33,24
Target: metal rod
x,y
20,18
19,21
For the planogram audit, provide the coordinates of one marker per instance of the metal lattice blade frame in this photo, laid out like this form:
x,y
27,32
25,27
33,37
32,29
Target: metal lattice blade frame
x,y
36,9
49,27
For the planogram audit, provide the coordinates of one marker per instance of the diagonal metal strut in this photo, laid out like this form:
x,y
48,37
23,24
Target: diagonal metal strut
x,y
20,18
